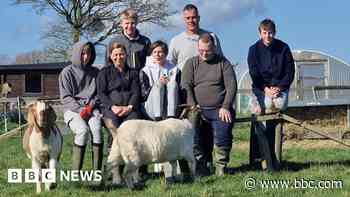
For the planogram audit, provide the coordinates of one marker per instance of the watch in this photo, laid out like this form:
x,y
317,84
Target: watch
x,y
130,107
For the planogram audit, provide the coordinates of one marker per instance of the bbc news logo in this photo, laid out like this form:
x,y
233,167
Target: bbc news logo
x,y
50,176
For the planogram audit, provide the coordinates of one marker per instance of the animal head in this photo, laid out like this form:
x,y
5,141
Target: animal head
x,y
41,116
6,88
192,113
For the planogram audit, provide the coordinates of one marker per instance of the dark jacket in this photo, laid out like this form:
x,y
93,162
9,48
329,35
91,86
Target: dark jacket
x,y
77,81
118,88
271,65
136,49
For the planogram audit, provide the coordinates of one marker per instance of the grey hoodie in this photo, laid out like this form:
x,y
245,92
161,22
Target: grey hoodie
x,y
77,82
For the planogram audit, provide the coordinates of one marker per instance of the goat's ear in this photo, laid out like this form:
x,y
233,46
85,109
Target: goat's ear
x,y
52,115
30,114
184,113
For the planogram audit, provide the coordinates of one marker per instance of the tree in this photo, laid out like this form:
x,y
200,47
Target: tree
x,y
31,57
98,19
58,40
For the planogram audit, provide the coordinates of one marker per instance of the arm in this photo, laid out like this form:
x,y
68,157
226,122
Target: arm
x,y
187,82
257,79
230,82
173,54
289,71
102,89
217,45
135,89
145,86
66,93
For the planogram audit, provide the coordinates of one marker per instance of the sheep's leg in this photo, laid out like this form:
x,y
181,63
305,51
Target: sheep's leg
x,y
116,179
191,162
52,166
129,173
36,165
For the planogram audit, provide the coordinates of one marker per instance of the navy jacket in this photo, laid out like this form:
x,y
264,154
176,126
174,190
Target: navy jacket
x,y
118,88
271,65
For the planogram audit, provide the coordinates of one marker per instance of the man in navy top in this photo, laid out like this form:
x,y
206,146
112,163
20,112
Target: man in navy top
x,y
271,67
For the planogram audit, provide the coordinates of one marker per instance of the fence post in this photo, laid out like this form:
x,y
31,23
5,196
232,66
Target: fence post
x,y
5,115
19,114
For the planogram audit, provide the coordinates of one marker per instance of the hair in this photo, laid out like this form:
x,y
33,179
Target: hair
x,y
190,7
87,47
114,45
206,38
160,44
267,24
129,14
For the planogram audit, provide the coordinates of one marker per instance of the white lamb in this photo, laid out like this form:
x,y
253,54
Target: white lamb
x,y
140,142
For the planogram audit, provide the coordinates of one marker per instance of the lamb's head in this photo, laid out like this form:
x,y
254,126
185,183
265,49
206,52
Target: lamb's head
x,y
192,113
41,116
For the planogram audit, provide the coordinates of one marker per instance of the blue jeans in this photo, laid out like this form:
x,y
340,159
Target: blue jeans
x,y
221,133
268,103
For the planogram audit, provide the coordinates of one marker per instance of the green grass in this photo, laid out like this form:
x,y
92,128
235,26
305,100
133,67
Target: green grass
x,y
325,163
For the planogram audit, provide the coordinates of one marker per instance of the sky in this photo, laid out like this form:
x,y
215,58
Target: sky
x,y
312,24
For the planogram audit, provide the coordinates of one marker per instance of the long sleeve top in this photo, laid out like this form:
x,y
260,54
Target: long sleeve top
x,y
118,88
271,65
209,83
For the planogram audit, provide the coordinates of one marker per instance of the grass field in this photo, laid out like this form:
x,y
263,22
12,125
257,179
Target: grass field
x,y
317,161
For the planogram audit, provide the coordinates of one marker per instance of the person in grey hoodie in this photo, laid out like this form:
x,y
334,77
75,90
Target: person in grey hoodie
x,y
77,85
160,81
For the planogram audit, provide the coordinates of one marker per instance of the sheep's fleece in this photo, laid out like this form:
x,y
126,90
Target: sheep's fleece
x,y
139,142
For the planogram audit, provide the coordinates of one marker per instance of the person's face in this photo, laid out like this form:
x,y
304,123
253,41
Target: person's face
x,y
129,27
191,19
266,35
158,55
205,50
85,56
118,57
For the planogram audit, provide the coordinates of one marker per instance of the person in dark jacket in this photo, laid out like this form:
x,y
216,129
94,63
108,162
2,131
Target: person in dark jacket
x,y
77,85
136,44
271,67
118,87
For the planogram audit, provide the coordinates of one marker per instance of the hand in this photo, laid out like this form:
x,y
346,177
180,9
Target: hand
x,y
275,90
86,112
163,79
116,109
271,92
225,115
125,111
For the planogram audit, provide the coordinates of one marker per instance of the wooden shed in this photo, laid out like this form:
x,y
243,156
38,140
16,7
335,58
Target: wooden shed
x,y
32,80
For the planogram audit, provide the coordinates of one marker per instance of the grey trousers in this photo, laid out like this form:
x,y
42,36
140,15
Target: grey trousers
x,y
82,129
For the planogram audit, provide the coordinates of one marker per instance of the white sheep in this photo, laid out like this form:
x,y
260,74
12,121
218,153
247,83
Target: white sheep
x,y
140,142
